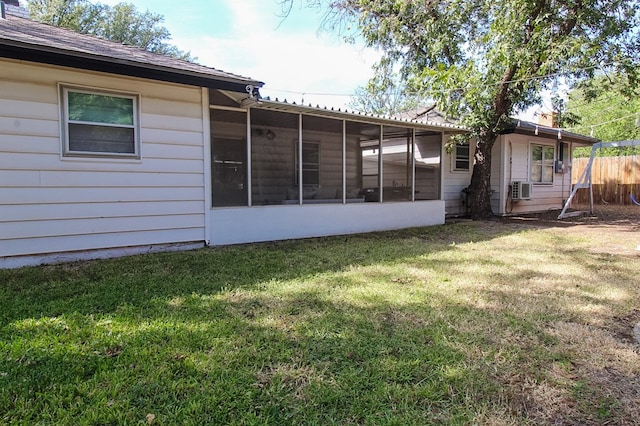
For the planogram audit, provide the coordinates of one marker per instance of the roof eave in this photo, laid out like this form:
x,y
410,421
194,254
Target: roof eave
x,y
53,56
553,132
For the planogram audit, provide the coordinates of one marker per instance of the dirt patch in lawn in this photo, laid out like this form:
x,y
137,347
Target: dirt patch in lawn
x,y
603,214
605,349
617,227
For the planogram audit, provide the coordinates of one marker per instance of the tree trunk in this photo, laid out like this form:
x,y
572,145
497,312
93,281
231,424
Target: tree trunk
x,y
480,187
479,192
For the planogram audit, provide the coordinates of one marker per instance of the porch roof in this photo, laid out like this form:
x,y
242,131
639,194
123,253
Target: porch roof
x,y
527,128
344,114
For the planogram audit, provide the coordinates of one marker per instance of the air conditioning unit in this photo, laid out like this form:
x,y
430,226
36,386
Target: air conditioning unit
x,y
520,190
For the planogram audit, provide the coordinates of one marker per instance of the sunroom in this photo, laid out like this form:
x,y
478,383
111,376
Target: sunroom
x,y
282,171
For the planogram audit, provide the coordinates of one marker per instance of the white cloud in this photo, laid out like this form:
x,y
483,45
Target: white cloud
x,y
286,54
286,61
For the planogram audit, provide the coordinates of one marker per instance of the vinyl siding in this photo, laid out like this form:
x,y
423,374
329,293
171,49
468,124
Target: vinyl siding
x,y
511,152
509,162
499,165
49,203
454,181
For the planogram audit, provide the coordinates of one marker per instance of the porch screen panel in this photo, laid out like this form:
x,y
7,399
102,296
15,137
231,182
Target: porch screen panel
x,y
228,158
274,141
321,160
396,164
362,171
427,155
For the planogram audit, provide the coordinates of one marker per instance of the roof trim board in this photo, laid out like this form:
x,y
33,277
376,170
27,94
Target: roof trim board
x,y
24,39
114,66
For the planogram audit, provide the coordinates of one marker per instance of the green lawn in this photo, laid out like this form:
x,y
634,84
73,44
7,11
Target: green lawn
x,y
471,323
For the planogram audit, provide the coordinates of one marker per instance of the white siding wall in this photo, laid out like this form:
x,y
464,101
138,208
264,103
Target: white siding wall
x,y
511,152
453,182
53,204
500,163
509,162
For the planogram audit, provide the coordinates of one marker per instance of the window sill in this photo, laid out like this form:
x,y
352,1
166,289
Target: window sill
x,y
100,159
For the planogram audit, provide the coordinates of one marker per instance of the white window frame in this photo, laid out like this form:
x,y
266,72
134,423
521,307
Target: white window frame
x,y
544,147
65,122
454,159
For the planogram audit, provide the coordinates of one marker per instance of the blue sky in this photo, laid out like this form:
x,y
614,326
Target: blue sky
x,y
248,37
294,59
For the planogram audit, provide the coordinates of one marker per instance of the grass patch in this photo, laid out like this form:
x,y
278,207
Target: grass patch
x,y
458,324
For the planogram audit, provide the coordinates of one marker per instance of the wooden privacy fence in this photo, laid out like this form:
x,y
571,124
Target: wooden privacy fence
x,y
613,179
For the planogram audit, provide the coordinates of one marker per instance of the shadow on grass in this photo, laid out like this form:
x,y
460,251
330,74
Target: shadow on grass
x,y
298,358
380,328
99,287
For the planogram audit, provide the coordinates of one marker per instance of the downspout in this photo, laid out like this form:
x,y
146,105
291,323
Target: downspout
x,y
560,151
508,183
208,172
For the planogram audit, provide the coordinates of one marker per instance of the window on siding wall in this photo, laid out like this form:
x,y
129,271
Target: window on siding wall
x,y
100,123
461,160
542,163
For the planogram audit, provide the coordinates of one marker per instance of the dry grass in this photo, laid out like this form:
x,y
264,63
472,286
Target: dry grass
x,y
522,321
602,366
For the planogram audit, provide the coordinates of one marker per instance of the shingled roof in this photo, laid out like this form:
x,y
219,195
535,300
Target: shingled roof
x,y
34,41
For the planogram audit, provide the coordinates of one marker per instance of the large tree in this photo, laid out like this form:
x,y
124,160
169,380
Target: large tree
x,y
386,93
609,115
483,60
121,23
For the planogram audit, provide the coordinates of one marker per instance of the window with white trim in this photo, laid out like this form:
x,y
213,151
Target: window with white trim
x,y
542,163
100,123
461,160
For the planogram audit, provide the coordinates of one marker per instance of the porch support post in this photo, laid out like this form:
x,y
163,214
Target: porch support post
x,y
413,164
344,161
249,189
300,182
380,171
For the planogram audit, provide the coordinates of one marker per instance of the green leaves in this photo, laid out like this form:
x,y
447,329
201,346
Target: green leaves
x,y
458,52
121,23
602,106
482,60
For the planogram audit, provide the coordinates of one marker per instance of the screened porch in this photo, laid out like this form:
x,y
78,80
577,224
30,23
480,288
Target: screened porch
x,y
282,171
266,156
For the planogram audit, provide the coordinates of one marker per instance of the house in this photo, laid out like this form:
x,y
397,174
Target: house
x,y
108,150
530,170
